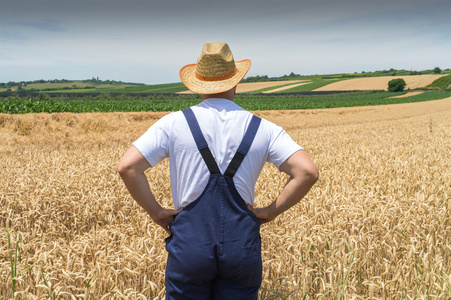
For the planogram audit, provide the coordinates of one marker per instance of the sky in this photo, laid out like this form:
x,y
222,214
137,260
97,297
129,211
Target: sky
x,y
148,41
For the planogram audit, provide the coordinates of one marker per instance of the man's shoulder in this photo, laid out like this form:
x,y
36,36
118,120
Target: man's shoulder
x,y
170,117
270,126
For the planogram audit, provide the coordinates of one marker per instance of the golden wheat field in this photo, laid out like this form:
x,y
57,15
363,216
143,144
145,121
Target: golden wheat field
x,y
375,226
379,83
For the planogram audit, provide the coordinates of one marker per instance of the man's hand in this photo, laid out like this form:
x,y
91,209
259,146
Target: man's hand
x,y
164,217
263,214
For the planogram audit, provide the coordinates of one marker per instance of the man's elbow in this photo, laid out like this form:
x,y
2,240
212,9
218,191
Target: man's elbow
x,y
312,174
121,169
124,168
300,167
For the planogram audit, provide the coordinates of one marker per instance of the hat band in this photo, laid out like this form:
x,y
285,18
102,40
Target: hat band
x,y
217,78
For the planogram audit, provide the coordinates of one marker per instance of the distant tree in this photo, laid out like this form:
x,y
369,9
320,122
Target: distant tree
x,y
396,85
437,70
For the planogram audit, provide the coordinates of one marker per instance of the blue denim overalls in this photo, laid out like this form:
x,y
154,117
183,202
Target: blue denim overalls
x,y
214,251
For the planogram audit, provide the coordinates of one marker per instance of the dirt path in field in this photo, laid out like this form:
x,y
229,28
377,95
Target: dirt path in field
x,y
255,86
379,83
285,88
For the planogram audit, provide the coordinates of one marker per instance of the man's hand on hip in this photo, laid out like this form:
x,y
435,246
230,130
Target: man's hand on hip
x,y
263,214
164,217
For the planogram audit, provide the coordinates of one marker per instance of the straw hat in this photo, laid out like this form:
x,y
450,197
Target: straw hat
x,y
215,71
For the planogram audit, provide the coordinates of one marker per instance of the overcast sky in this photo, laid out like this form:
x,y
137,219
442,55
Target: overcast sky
x,y
148,41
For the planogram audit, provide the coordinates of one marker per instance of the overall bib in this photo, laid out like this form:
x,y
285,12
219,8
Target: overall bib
x,y
214,251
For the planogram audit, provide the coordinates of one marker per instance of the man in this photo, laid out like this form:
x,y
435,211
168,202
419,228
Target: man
x,y
216,151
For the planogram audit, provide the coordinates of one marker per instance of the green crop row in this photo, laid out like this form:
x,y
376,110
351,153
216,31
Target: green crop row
x,y
124,103
101,103
308,86
145,89
441,83
315,84
361,98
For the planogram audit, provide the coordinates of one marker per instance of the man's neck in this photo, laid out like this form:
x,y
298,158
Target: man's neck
x,y
215,97
229,95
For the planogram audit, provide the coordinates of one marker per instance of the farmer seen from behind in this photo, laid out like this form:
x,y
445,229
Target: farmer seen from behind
x,y
216,151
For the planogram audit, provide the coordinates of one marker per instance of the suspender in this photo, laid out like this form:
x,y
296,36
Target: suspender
x,y
202,145
246,143
201,142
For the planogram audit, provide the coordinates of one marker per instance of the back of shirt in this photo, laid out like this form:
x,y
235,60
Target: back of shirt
x,y
223,124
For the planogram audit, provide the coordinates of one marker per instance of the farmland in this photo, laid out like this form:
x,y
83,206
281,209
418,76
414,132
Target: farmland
x,y
375,226
379,83
93,86
155,103
377,80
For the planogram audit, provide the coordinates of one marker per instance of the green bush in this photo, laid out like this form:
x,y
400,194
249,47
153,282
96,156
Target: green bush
x,y
437,70
396,85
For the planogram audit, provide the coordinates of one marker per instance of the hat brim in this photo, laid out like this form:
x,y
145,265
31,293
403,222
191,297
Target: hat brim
x,y
198,86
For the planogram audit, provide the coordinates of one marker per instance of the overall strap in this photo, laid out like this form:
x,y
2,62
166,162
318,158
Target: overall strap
x,y
200,141
244,146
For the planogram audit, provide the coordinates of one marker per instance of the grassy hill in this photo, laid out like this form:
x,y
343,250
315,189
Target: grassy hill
x,y
88,86
440,83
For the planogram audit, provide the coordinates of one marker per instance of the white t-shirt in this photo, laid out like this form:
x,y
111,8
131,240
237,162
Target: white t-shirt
x,y
223,124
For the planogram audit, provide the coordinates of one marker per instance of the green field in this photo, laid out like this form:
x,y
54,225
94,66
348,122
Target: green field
x,y
314,84
125,103
440,83
100,87
309,85
168,88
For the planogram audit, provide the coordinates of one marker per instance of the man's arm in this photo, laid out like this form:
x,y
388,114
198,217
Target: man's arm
x,y
303,175
131,168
